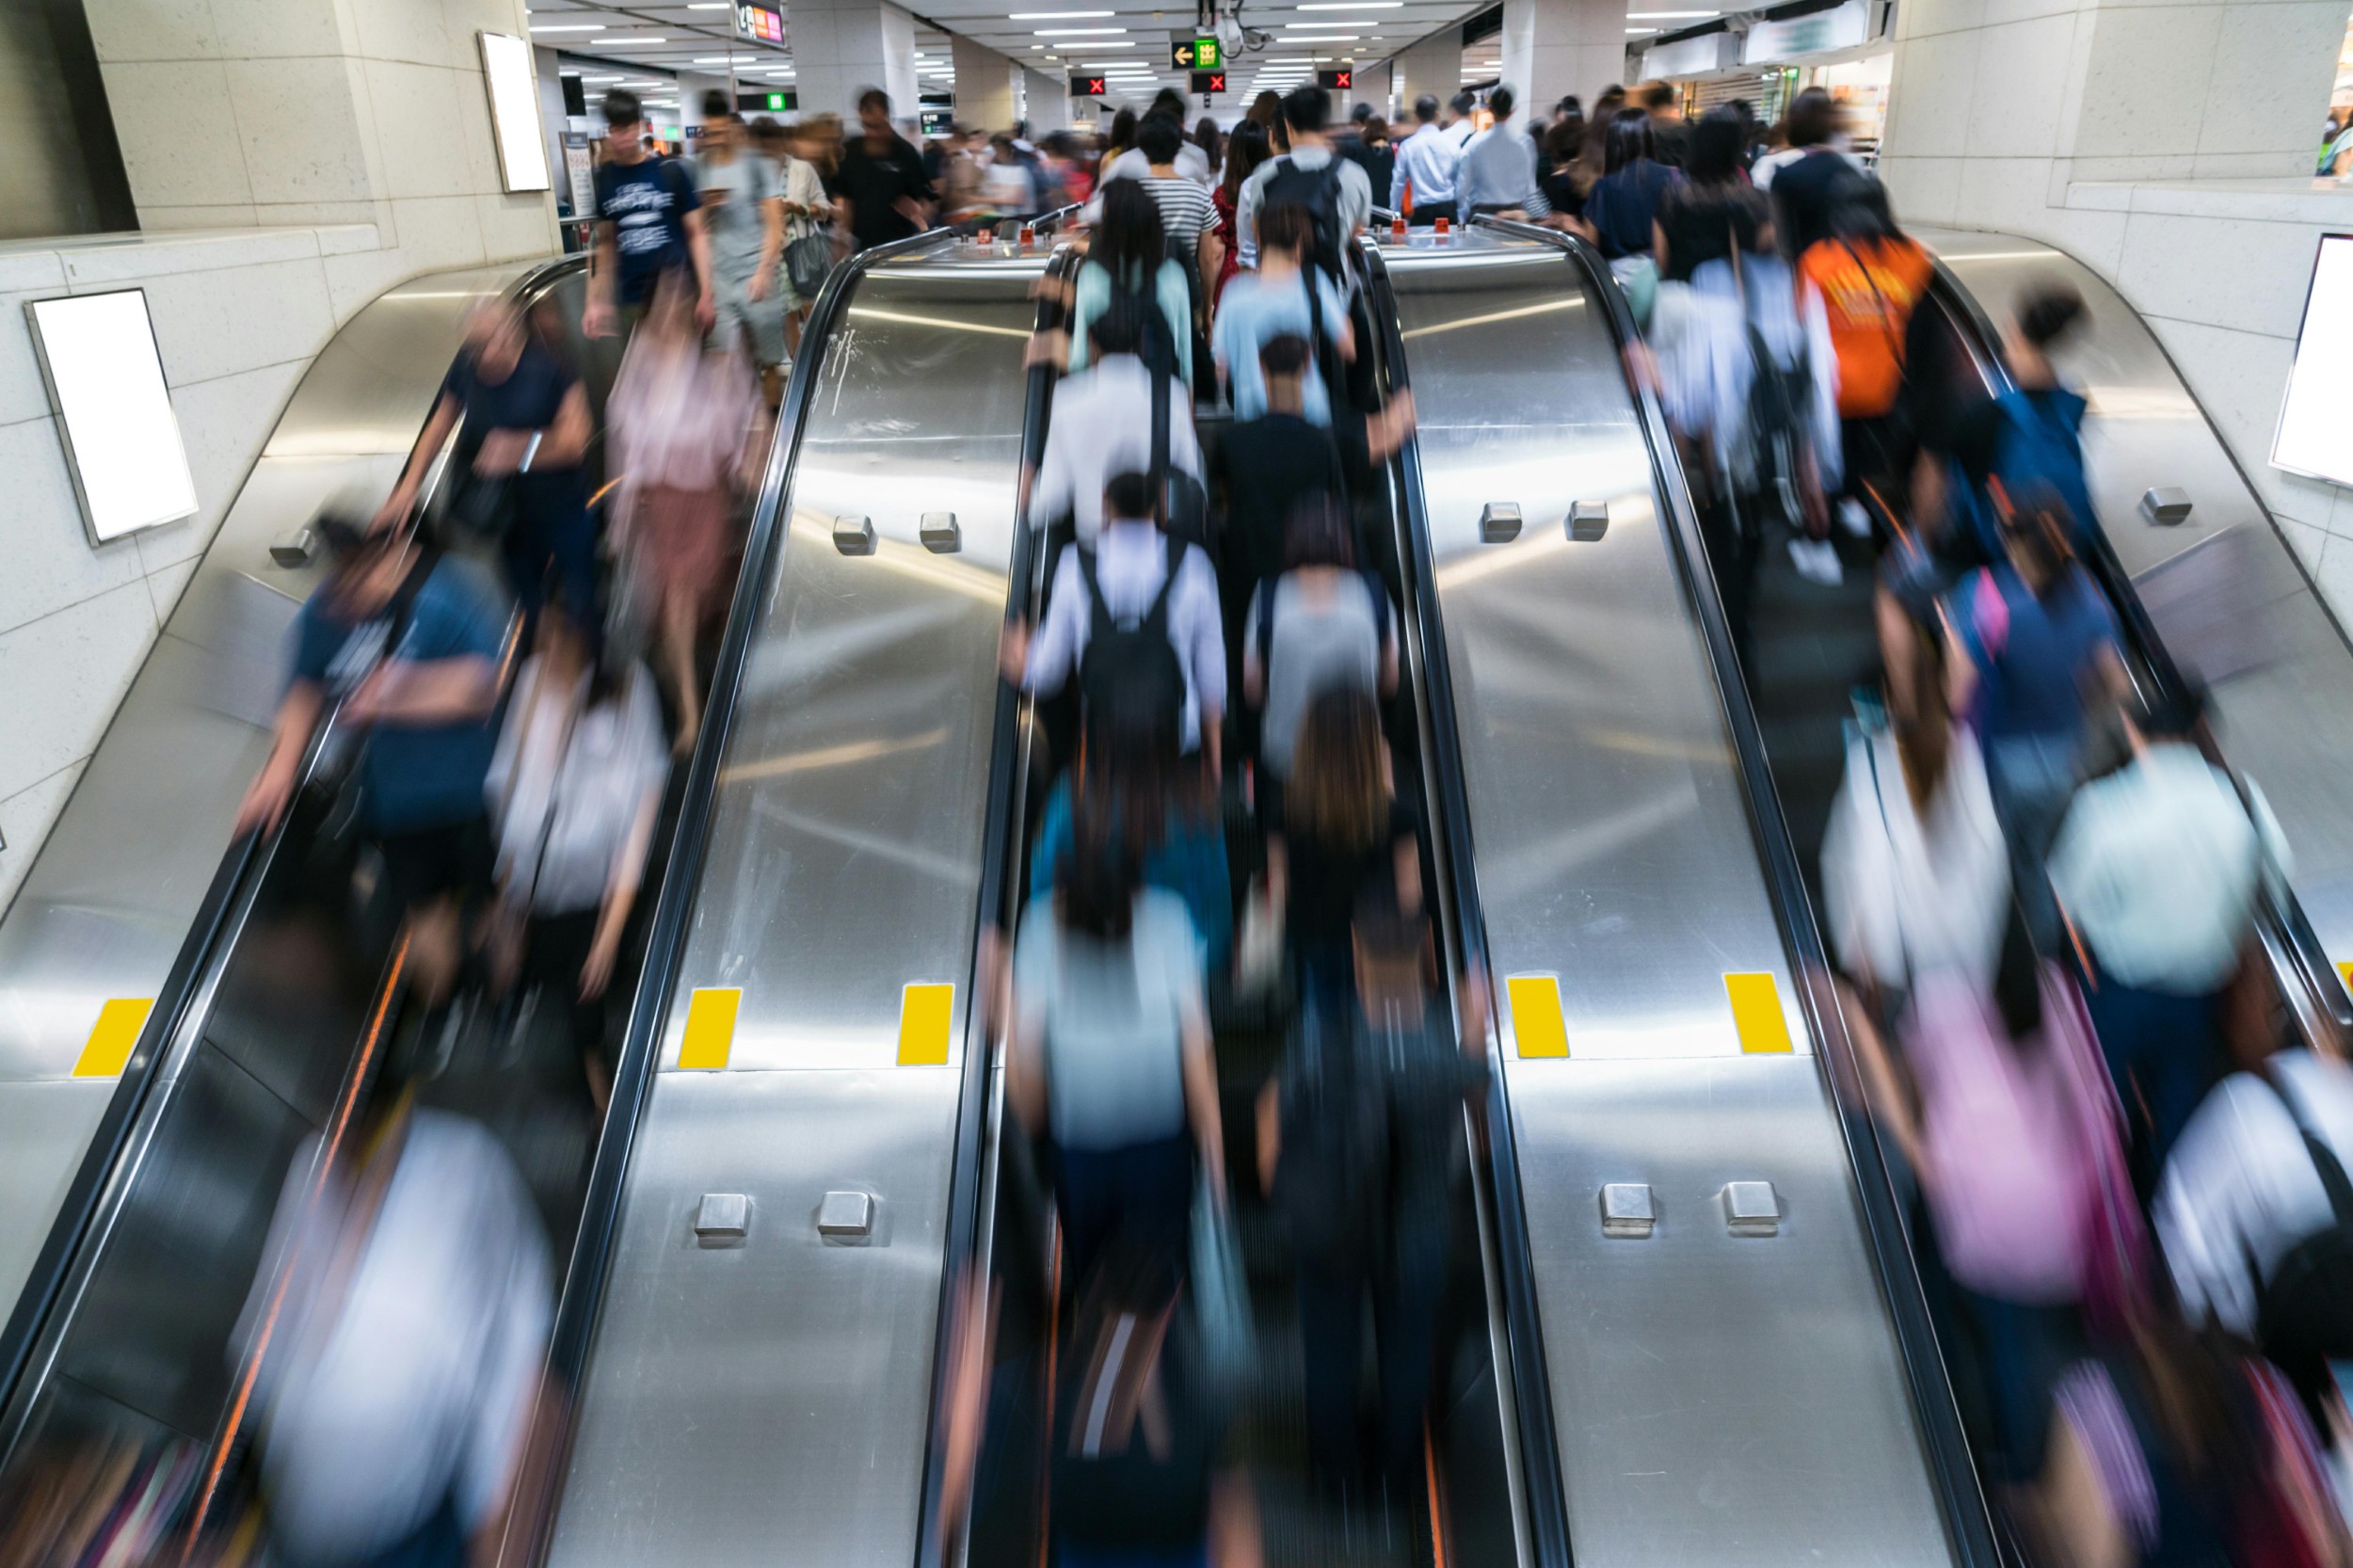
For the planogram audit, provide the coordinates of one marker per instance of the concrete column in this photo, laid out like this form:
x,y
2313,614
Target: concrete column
x,y
1049,107
842,47
1551,47
984,83
315,112
1434,66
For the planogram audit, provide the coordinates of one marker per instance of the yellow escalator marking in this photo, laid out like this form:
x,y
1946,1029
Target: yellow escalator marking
x,y
111,1038
1756,1014
1537,1026
709,1028
923,1024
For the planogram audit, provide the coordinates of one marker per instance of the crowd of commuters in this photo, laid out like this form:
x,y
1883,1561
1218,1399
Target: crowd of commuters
x,y
2132,1208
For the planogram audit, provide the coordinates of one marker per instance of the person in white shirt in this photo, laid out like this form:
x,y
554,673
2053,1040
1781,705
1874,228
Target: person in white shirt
x,y
1463,126
1498,169
1191,162
1305,111
2243,1189
1426,164
1102,425
1131,557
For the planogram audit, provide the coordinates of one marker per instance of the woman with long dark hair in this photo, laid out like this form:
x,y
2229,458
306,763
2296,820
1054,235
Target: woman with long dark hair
x,y
1127,255
1205,137
1245,149
1713,208
1122,137
1622,210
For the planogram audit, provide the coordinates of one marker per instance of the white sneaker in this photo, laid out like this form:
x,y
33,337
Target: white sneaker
x,y
1853,519
1816,562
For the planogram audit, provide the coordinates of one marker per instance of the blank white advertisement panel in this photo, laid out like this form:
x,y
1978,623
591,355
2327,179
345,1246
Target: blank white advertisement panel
x,y
514,111
2316,422
121,437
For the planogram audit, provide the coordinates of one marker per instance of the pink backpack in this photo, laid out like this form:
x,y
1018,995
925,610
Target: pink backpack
x,y
2017,1143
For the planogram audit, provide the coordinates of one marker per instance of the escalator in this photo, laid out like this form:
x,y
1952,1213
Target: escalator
x,y
176,1021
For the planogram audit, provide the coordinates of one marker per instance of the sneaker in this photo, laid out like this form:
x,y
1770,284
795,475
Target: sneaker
x,y
1853,519
1816,562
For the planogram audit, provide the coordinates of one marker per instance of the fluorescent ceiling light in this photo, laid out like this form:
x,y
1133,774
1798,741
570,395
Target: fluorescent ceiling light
x,y
719,60
1324,38
1104,43
1076,32
1642,30
632,43
711,4
573,27
1667,16
1050,16
599,78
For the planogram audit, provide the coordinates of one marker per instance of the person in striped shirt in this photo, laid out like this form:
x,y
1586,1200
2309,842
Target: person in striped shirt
x,y
1188,215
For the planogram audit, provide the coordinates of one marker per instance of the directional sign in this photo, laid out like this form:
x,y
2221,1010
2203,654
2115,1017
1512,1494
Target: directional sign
x,y
1207,82
1200,52
1089,87
1335,81
764,22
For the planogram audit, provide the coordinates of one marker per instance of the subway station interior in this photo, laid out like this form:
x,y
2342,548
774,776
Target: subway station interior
x,y
1351,782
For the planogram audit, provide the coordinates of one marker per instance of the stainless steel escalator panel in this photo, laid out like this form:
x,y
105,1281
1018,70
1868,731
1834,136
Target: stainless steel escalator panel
x,y
769,1402
1716,1400
106,907
2288,725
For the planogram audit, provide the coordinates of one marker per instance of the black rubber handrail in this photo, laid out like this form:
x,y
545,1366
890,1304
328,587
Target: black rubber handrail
x,y
1543,1482
1952,1468
582,1297
1000,882
2314,976
204,953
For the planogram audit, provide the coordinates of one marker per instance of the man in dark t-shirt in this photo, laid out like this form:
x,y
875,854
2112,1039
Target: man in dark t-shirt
x,y
882,178
647,225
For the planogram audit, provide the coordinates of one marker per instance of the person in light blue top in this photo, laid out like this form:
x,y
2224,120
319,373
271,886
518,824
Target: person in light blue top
x,y
1272,302
1498,169
1426,162
1129,249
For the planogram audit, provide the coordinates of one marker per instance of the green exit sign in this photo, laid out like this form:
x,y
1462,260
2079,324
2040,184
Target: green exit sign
x,y
766,103
1199,53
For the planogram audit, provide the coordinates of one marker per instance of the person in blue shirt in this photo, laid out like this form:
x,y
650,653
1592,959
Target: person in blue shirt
x,y
1425,167
1272,302
2036,643
647,225
402,644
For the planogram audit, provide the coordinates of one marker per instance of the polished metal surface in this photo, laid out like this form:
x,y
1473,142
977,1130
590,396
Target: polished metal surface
x,y
2288,725
771,1403
104,910
1716,1400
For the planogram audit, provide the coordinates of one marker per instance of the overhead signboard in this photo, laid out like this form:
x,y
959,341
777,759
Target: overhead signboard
x,y
1692,56
1208,82
1335,81
1094,85
1190,53
1816,33
935,123
766,103
760,24
2319,404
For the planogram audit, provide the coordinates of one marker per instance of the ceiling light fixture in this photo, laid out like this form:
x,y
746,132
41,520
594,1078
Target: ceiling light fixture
x,y
1078,32
1668,16
1054,16
633,43
573,27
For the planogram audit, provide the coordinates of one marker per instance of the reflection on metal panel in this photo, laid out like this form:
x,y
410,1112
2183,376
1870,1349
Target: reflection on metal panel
x,y
2287,726
1716,1400
768,1402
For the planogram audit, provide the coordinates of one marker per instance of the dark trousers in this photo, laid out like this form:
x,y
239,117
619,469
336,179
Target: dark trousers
x,y
553,540
555,949
439,1543
1406,1297
1734,544
1141,1191
2163,1052
1425,213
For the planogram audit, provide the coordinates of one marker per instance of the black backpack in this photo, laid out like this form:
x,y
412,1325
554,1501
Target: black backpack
x,y
1130,668
1777,394
1319,191
2304,1312
1331,1179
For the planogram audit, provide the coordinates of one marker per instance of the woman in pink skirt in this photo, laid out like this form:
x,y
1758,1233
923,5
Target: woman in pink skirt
x,y
687,429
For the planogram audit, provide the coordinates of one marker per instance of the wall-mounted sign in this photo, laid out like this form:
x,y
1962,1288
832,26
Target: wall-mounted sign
x,y
1096,86
1816,33
760,23
1208,82
1335,81
935,123
1692,56
766,103
2318,409
514,111
106,379
1189,52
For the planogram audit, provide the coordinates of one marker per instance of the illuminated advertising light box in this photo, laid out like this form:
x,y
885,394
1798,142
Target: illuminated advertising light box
x,y
760,23
2315,434
106,379
514,112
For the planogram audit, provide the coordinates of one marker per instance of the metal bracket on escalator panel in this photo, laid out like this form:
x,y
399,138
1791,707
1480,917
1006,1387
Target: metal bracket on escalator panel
x,y
1587,521
1751,1208
853,536
1626,1209
940,534
2165,505
1499,522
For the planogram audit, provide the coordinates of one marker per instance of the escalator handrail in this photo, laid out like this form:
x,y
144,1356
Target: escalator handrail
x,y
1952,1468
2314,977
1000,882
195,971
1546,1491
582,1298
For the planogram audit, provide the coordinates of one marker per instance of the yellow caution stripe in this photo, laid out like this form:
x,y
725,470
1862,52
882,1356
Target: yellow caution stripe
x,y
1756,1014
709,1028
1537,1026
923,1012
107,1050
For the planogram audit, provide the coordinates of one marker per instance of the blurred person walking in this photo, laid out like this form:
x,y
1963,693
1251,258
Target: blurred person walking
x,y
1711,212
1102,424
1623,208
687,434
881,179
1498,169
1869,277
647,225
574,789
1323,626
1128,259
740,197
1422,183
1560,172
1310,175
518,468
399,1320
1804,184
1133,160
1188,215
1245,149
1377,153
1463,123
1273,301
1361,1151
1670,133
402,644
808,242
1110,1051
2157,869
1207,137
